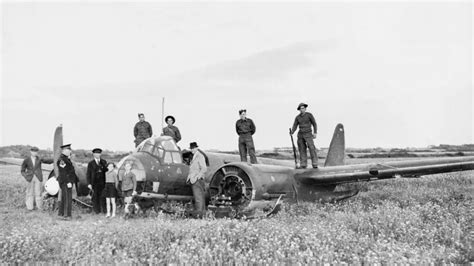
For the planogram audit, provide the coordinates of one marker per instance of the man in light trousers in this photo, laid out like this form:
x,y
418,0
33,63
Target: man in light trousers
x,y
196,176
33,174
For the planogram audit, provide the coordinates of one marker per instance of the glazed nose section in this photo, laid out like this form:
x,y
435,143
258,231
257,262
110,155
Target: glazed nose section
x,y
135,165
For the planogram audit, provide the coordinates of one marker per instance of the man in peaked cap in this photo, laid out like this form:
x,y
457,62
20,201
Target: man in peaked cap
x,y
142,130
197,171
31,171
171,130
66,179
305,135
96,170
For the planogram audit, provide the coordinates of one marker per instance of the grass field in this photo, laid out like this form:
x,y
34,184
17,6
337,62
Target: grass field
x,y
426,220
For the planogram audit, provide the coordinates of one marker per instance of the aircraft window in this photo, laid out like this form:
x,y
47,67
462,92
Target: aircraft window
x,y
169,145
177,157
147,147
168,158
158,152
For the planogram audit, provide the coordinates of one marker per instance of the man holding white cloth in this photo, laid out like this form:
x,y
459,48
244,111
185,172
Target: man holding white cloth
x,y
196,176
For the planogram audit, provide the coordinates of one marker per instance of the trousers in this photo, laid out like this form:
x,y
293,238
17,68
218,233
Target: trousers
x,y
199,198
65,205
33,194
246,145
306,141
98,199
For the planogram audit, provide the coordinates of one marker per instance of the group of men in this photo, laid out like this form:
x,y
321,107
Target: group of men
x,y
245,128
96,169
143,130
308,130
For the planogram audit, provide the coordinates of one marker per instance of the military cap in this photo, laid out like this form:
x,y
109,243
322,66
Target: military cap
x,y
193,145
34,148
170,116
241,111
66,146
140,114
97,150
302,104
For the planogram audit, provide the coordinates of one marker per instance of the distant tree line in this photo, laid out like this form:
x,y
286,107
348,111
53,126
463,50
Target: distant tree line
x,y
80,155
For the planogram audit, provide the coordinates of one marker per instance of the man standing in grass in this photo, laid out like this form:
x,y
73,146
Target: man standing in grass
x,y
96,170
32,172
196,175
66,179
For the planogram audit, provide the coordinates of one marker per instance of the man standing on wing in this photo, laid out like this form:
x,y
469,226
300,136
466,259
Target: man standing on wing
x,y
31,171
305,136
245,129
197,171
171,130
142,130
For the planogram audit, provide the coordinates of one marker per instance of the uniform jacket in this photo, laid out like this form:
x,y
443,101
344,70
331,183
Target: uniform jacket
x,y
173,132
197,169
245,127
96,172
67,174
142,131
28,170
305,121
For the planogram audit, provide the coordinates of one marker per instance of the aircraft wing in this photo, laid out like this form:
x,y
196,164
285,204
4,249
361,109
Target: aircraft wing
x,y
369,172
17,161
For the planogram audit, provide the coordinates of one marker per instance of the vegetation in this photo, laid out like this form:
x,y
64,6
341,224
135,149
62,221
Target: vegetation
x,y
427,220
79,155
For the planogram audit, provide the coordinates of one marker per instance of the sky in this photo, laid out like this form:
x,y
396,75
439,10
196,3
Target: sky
x,y
395,74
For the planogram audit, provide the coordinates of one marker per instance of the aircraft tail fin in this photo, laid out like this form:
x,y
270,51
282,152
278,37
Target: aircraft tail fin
x,y
336,152
57,143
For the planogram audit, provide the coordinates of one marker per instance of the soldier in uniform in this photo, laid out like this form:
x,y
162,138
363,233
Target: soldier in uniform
x,y
96,170
66,179
305,135
171,130
142,130
245,129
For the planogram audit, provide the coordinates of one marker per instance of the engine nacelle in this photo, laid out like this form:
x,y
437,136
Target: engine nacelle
x,y
240,188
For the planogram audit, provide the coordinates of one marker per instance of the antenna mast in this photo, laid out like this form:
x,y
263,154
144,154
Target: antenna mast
x,y
162,111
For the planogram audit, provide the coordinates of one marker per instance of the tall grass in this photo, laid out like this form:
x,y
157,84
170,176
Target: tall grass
x,y
427,220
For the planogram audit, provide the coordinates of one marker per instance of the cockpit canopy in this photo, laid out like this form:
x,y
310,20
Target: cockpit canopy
x,y
162,147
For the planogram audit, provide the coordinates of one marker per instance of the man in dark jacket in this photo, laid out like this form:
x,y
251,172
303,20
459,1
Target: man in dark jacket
x,y
142,130
31,171
245,129
305,136
171,130
66,179
96,170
